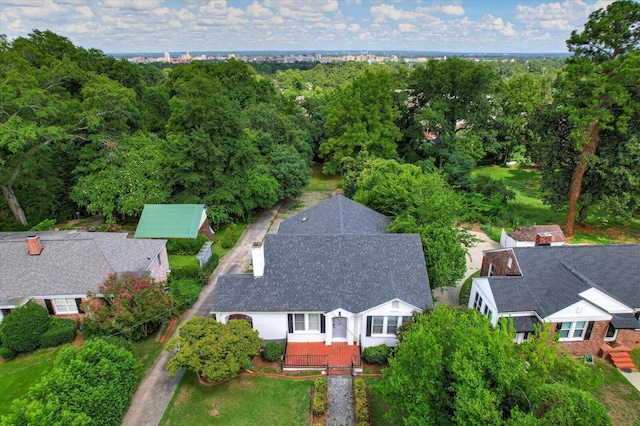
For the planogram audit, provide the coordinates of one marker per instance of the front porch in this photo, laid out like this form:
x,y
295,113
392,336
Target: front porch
x,y
337,358
619,355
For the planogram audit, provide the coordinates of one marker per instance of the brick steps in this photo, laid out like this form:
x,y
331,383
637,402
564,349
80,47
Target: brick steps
x,y
622,360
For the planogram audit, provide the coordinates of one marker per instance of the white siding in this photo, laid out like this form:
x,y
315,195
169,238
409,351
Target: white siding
x,y
580,311
270,326
481,286
605,301
386,310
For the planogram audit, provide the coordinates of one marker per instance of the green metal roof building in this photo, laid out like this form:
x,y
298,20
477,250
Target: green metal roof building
x,y
171,220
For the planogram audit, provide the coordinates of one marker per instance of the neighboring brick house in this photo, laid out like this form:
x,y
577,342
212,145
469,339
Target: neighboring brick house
x,y
529,236
57,268
332,274
589,294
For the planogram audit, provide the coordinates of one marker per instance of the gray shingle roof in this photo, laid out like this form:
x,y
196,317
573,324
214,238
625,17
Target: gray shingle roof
x,y
326,272
337,215
70,263
553,277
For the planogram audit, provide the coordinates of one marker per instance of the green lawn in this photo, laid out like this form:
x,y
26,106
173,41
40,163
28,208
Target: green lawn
x,y
19,374
146,351
245,400
180,261
319,182
527,209
217,248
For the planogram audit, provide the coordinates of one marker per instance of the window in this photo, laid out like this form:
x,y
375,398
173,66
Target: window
x,y
509,263
477,302
377,325
392,325
406,319
572,330
65,306
298,322
159,260
486,311
314,322
611,333
490,270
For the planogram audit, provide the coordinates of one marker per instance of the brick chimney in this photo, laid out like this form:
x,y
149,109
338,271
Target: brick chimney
x,y
543,239
34,246
257,257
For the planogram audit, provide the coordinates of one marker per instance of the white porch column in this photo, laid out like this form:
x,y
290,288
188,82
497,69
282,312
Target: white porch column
x,y
328,328
350,330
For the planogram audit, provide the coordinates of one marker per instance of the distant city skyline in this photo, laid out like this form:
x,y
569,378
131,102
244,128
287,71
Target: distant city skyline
x,y
473,26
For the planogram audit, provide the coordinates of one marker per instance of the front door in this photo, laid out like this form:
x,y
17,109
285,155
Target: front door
x,y
340,328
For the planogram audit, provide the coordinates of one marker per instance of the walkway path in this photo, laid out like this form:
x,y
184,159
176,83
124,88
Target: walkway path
x,y
156,390
340,401
451,295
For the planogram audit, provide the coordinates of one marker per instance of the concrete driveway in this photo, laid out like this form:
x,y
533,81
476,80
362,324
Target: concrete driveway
x,y
155,392
451,295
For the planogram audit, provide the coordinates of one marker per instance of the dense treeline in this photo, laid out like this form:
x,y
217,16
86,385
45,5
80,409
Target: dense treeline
x,y
82,131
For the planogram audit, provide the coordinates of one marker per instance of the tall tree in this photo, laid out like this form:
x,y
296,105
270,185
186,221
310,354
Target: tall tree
x,y
599,86
453,367
361,117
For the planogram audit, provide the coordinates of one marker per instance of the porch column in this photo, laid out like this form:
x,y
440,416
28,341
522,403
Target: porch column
x,y
328,329
350,329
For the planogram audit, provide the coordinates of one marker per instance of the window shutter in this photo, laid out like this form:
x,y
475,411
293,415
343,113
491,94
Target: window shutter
x,y
49,306
290,318
587,335
78,302
323,327
368,326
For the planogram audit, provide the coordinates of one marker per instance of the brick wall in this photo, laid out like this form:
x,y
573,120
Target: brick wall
x,y
629,338
591,346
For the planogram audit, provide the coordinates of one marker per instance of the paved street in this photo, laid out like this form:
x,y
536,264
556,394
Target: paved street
x,y
155,392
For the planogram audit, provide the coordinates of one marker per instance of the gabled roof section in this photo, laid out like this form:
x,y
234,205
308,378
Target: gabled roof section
x,y
553,277
325,272
71,263
336,216
170,221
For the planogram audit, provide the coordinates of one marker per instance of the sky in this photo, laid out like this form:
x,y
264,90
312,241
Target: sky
x,y
470,26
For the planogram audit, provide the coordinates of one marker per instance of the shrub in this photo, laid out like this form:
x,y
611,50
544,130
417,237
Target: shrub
x,y
211,264
188,246
229,238
319,398
7,353
376,354
45,225
273,351
185,292
187,272
23,327
361,402
60,331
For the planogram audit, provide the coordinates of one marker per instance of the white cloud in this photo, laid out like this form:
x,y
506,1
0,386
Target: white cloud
x,y
558,16
453,9
386,12
354,28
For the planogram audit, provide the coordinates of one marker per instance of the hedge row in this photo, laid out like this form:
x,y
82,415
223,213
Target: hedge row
x,y
61,330
185,246
361,402
273,351
319,396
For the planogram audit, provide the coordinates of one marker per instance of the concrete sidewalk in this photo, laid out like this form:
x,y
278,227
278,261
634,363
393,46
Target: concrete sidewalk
x,y
633,378
156,390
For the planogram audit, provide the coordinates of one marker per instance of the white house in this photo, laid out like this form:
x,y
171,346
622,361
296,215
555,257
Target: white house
x,y
332,274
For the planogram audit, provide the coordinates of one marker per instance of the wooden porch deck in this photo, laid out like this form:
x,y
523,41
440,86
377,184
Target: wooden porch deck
x,y
310,354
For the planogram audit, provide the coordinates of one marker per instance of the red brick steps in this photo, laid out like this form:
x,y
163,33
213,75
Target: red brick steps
x,y
622,360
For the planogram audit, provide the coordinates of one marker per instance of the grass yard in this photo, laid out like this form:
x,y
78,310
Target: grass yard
x,y
245,400
19,374
180,261
528,209
146,351
319,182
217,248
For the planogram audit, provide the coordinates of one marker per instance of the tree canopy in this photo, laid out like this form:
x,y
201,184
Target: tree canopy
x,y
452,367
214,351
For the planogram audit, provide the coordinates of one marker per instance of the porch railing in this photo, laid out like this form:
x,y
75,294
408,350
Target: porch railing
x,y
306,361
356,361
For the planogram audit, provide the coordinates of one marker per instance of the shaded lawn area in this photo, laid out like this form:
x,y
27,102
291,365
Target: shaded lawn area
x,y
245,400
146,351
217,248
19,374
319,182
528,209
180,261
619,397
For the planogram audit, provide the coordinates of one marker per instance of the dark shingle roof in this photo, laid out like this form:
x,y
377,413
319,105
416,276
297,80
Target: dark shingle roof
x,y
553,277
71,263
326,272
337,215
